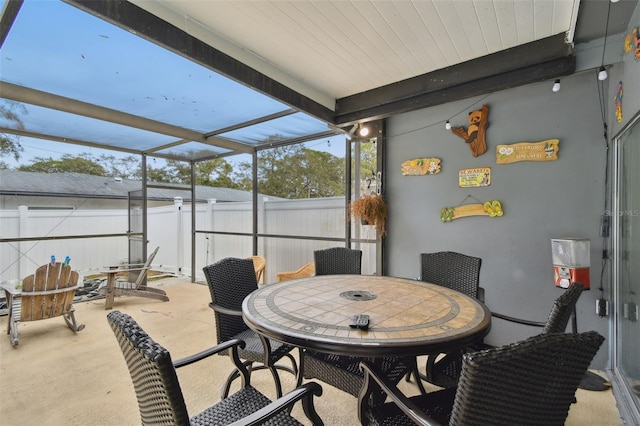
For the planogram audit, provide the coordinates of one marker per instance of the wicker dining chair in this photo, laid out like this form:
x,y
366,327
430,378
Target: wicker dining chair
x,y
160,398
458,272
230,280
446,371
531,382
337,261
340,371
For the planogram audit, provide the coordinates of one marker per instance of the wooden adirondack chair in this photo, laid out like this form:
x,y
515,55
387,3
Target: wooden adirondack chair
x,y
46,294
259,264
307,270
138,288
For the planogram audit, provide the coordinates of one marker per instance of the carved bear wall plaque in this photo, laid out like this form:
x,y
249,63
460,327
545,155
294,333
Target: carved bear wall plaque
x,y
475,134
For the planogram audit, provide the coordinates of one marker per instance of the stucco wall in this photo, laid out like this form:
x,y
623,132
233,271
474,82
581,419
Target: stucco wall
x,y
541,200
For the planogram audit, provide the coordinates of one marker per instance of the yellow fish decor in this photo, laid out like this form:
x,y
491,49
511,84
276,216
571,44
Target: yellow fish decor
x,y
528,151
488,208
421,166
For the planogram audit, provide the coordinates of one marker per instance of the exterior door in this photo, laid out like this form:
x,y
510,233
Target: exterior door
x,y
626,215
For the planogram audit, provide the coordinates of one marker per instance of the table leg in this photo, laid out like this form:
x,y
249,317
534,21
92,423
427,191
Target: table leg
x,y
111,283
300,367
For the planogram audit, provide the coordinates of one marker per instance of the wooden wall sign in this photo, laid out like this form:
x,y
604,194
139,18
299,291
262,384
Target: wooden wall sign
x,y
421,166
528,151
488,208
472,178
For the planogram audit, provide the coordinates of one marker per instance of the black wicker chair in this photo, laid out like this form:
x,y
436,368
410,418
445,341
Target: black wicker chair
x,y
343,372
532,382
160,398
458,272
230,280
446,371
338,260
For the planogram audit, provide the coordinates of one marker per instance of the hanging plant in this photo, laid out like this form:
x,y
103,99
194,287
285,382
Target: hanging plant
x,y
370,209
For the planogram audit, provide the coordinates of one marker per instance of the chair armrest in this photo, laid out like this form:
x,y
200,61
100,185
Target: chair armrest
x,y
233,344
11,288
305,393
405,404
229,344
518,320
223,310
125,265
47,292
121,269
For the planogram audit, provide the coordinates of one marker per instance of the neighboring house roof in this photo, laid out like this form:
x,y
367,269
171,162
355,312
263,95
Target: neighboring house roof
x,y
88,186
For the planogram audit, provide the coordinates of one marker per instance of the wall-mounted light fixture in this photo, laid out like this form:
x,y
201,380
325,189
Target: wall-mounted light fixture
x,y
447,125
602,73
556,86
363,130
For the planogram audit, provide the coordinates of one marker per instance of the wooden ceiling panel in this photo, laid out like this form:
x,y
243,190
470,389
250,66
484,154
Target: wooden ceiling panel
x,y
355,51
525,19
505,16
486,15
473,31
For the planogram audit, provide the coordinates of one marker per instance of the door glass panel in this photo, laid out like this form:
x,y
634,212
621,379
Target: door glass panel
x,y
628,267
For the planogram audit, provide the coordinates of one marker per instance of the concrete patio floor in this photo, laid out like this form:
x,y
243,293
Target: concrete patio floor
x,y
56,377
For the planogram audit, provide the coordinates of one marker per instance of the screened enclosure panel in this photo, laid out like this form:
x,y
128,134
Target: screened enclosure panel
x,y
58,49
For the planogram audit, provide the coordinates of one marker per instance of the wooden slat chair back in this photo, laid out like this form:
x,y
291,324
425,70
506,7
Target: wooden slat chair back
x,y
48,293
140,274
130,287
307,270
259,263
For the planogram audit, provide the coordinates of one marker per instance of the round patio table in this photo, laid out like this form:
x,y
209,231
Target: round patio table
x,y
407,317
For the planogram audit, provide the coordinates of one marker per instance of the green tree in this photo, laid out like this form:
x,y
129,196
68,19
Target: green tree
x,y
216,172
10,144
161,175
368,159
68,163
125,167
294,171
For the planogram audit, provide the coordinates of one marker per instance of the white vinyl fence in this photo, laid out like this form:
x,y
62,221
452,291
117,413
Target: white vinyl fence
x,y
169,227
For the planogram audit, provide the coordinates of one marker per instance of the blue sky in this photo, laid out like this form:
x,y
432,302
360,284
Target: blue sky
x,y
56,48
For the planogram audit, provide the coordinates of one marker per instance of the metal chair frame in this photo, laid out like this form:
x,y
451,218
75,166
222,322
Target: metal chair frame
x,y
160,397
230,280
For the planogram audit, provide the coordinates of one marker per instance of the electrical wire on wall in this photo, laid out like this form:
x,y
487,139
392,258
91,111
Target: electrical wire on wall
x,y
606,212
479,101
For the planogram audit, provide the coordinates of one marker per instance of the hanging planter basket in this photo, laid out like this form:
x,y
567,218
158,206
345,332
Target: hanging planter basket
x,y
370,210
